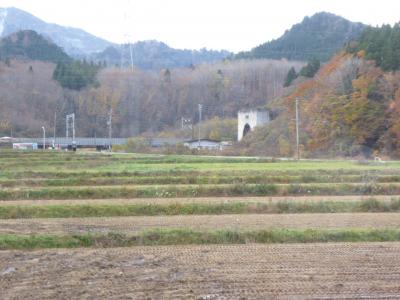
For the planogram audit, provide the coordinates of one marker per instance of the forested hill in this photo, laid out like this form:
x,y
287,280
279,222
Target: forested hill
x,y
350,108
319,36
28,44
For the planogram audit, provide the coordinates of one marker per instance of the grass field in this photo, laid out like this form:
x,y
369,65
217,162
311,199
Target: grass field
x,y
190,227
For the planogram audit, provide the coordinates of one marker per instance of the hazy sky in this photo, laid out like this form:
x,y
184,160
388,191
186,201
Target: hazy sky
x,y
216,24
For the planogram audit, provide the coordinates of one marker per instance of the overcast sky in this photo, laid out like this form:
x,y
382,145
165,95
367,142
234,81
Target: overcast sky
x,y
215,24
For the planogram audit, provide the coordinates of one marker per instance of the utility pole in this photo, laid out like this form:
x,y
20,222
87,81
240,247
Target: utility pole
x,y
200,108
73,128
67,128
297,128
109,123
44,138
130,50
54,132
68,118
122,57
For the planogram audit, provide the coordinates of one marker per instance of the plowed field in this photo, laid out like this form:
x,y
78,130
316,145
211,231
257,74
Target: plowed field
x,y
207,222
213,202
296,271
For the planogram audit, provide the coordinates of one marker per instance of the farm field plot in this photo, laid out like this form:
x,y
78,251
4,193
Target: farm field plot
x,y
133,225
94,225
254,271
207,200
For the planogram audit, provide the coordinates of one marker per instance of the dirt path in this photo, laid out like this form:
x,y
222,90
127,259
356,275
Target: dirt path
x,y
197,200
201,222
297,271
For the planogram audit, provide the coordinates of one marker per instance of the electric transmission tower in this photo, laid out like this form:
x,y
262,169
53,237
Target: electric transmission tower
x,y
128,41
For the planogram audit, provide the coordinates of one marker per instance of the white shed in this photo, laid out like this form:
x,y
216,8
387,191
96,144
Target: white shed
x,y
203,144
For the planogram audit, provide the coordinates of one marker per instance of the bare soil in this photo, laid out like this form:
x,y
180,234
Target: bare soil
x,y
253,271
199,200
200,222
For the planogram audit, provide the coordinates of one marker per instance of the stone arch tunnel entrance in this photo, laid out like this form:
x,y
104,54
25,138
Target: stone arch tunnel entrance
x,y
246,129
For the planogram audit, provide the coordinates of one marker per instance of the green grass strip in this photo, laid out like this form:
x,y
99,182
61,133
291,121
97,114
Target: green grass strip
x,y
196,179
115,210
199,191
304,175
191,237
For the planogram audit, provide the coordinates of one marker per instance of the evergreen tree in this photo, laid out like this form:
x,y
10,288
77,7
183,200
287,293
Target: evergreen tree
x,y
291,75
76,75
311,68
382,45
31,45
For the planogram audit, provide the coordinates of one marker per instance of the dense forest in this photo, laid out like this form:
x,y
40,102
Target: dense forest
x,y
76,75
380,44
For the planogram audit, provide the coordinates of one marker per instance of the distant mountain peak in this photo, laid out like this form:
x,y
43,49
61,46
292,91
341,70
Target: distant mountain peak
x,y
319,35
324,14
149,54
73,40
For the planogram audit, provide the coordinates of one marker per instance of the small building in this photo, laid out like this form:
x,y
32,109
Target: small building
x,y
6,142
25,146
249,119
206,144
163,142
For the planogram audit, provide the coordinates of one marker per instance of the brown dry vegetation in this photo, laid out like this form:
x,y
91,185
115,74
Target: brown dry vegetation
x,y
142,101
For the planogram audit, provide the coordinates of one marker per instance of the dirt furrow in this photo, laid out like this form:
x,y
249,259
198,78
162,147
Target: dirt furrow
x,y
201,222
295,271
213,200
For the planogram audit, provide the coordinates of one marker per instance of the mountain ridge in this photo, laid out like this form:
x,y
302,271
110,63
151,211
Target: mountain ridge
x,y
318,36
155,55
81,44
74,41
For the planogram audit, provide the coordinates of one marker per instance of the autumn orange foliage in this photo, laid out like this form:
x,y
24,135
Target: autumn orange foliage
x,y
351,107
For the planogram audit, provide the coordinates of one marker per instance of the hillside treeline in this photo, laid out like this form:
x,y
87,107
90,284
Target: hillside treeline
x,y
350,108
141,101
